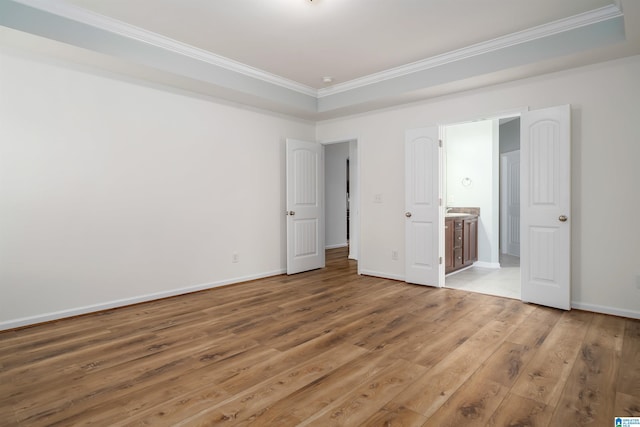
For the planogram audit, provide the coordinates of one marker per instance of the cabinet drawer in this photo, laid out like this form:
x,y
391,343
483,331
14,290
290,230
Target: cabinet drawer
x,y
457,257
458,225
457,239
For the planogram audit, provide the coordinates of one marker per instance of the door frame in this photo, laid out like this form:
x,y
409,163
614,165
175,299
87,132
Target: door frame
x,y
517,112
513,113
354,193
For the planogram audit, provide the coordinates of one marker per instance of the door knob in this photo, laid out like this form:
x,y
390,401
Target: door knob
x,y
292,213
408,214
563,218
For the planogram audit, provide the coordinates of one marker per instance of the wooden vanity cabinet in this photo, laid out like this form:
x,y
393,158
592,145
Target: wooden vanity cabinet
x,y
470,249
448,245
461,242
458,248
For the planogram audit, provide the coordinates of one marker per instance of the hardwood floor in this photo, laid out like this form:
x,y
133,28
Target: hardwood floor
x,y
324,348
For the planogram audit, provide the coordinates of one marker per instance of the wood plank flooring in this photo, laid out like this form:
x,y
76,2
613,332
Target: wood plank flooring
x,y
324,348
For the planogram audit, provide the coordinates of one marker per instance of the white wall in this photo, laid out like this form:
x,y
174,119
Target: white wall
x,y
605,172
470,154
113,192
335,160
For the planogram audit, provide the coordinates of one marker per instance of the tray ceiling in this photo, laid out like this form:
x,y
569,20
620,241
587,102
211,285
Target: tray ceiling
x,y
274,54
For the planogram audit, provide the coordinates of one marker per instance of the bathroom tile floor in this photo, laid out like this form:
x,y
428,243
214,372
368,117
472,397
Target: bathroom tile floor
x,y
503,282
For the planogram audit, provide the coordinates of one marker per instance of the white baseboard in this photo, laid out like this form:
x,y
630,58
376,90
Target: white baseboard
x,y
485,264
339,245
56,315
633,314
459,271
383,275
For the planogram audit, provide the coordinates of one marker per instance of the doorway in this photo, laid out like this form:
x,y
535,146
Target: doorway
x,y
474,177
305,208
545,186
341,190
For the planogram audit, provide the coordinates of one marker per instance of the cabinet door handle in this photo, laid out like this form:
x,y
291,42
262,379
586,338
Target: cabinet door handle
x,y
562,218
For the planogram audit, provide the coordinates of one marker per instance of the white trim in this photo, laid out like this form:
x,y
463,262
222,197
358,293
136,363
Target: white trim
x,y
485,264
633,314
115,26
530,34
460,270
56,315
339,245
382,275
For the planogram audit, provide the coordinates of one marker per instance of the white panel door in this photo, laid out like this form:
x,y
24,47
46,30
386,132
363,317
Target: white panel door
x,y
305,206
545,216
510,193
424,225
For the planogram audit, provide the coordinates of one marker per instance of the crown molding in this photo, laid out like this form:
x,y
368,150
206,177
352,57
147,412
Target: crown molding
x,y
115,26
562,25
71,12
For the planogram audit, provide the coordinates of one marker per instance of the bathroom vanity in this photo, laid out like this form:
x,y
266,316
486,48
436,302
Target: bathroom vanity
x,y
461,239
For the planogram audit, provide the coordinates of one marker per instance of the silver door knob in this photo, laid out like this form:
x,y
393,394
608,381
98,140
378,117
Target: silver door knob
x,y
292,213
408,214
563,218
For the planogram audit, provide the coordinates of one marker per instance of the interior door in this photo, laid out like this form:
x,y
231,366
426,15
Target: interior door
x,y
510,193
305,206
424,226
546,207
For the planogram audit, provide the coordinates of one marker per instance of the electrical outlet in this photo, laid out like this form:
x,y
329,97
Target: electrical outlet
x,y
235,257
394,255
377,198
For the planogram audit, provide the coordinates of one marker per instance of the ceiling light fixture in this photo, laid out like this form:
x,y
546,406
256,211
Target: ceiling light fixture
x,y
326,79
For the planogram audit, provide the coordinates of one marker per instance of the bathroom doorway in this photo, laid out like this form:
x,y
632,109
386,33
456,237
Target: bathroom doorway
x,y
480,173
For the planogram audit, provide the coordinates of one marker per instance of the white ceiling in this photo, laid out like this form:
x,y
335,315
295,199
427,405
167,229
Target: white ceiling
x,y
346,39
274,53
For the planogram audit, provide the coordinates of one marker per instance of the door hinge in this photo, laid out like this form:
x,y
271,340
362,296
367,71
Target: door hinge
x,y
440,143
440,260
440,201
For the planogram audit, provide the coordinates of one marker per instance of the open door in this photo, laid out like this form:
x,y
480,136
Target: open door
x,y
545,154
424,224
305,206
